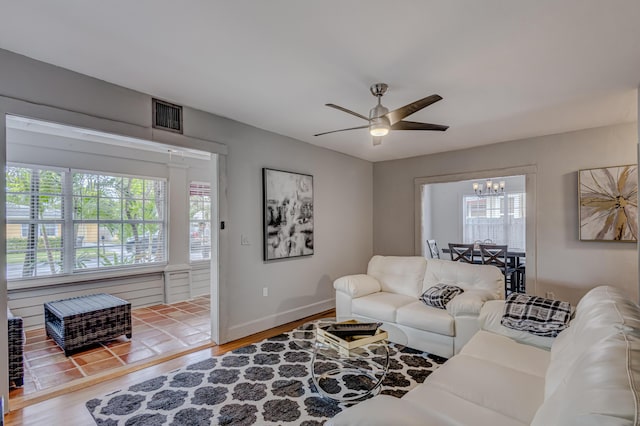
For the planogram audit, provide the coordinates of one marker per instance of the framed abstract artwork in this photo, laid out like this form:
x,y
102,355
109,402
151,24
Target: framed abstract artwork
x,y
287,214
608,203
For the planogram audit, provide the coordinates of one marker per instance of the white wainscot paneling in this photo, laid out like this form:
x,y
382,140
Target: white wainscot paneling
x,y
200,279
177,282
140,290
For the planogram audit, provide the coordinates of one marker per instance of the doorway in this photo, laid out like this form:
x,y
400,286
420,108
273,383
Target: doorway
x,y
454,212
87,211
453,209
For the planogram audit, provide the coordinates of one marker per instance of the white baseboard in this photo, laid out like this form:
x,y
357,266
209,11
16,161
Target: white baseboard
x,y
270,321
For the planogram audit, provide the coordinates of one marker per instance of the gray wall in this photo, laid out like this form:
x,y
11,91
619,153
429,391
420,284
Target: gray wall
x,y
342,186
565,265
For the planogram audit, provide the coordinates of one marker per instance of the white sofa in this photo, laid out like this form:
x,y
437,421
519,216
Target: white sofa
x,y
591,376
390,290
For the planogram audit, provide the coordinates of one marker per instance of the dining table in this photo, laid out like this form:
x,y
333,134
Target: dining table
x,y
515,259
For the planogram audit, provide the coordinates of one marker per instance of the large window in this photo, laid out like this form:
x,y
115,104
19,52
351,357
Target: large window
x,y
498,218
199,221
67,221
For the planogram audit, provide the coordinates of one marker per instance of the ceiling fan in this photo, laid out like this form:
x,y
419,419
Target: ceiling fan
x,y
380,120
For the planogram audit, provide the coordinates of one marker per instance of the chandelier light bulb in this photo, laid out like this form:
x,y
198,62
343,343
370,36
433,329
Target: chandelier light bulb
x,y
489,187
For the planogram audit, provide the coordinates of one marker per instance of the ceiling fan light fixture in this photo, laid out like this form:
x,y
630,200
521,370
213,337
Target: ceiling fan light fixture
x,y
379,123
379,128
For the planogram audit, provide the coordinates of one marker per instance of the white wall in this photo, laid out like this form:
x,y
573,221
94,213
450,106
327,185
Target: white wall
x,y
342,185
565,265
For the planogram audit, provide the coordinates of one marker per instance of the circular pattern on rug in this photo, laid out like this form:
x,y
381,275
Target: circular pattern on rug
x,y
267,383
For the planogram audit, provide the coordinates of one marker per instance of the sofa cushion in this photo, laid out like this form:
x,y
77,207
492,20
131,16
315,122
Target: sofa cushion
x,y
382,305
448,409
508,353
399,274
465,276
601,313
602,387
439,295
490,317
427,318
509,392
596,312
383,410
536,315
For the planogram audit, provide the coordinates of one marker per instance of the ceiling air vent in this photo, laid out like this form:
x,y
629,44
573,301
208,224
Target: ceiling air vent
x,y
167,116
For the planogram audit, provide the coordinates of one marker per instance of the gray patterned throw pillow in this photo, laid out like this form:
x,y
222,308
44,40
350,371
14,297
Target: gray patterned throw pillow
x,y
439,295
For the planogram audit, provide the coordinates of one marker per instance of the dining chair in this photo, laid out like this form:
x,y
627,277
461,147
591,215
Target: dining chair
x,y
520,275
461,252
496,255
433,249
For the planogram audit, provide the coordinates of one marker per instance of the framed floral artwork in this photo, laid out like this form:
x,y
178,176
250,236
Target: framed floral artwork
x,y
608,206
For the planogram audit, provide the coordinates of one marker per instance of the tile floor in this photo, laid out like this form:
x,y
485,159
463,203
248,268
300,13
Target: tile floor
x,y
158,329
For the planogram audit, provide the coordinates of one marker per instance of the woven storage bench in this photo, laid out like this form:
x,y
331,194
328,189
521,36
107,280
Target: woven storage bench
x,y
81,321
16,349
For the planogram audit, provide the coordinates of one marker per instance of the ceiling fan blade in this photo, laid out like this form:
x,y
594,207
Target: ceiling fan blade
x,y
342,130
377,140
405,111
348,111
413,125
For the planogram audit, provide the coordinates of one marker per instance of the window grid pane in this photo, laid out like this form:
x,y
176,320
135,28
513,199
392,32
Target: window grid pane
x,y
199,221
34,200
128,229
102,234
499,218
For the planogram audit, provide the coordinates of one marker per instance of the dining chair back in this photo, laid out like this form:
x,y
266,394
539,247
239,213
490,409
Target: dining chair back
x,y
496,255
461,252
433,249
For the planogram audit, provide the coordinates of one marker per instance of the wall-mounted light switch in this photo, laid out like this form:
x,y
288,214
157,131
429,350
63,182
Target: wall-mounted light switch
x,y
265,291
244,240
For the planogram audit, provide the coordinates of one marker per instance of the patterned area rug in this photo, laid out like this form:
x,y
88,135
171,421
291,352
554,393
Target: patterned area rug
x,y
267,383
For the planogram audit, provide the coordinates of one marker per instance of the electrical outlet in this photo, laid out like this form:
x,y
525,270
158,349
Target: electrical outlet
x,y
550,295
265,291
244,240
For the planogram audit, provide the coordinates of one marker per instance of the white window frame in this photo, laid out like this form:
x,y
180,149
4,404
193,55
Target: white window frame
x,y
68,222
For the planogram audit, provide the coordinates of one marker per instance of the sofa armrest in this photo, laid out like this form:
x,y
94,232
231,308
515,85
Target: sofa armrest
x,y
357,285
468,303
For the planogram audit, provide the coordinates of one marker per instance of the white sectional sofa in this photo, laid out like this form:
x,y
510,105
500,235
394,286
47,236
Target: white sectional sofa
x,y
390,290
591,376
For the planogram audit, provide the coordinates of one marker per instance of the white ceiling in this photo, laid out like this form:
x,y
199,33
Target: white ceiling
x,y
506,69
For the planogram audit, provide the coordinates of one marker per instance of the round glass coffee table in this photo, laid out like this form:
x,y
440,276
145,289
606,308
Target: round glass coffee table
x,y
339,374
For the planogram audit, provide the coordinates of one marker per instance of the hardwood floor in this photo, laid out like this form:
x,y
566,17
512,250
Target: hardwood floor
x,y
66,404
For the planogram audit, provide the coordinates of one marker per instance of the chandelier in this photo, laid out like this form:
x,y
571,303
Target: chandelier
x,y
489,188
